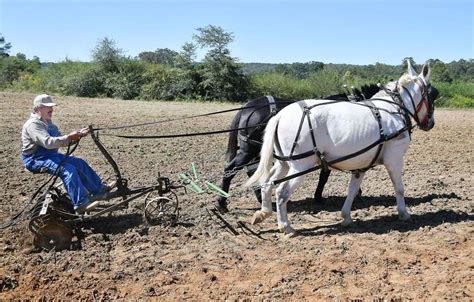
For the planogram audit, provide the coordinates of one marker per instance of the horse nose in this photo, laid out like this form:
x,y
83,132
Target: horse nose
x,y
431,123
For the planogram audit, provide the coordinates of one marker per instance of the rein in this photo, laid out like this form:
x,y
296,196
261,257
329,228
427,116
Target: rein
x,y
256,127
180,135
171,120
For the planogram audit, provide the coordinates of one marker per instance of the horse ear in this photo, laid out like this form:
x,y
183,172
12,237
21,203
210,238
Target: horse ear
x,y
411,70
426,72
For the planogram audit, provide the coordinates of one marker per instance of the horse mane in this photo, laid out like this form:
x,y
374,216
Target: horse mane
x,y
369,90
392,85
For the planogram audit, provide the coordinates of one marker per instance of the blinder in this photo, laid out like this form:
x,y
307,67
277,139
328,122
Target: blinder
x,y
428,97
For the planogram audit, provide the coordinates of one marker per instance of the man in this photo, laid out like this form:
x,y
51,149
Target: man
x,y
41,140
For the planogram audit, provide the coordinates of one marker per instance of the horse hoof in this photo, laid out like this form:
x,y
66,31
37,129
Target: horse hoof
x,y
347,219
290,235
404,216
221,207
259,216
347,222
287,231
319,200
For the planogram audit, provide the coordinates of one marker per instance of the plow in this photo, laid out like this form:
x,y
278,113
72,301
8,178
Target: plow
x,y
53,220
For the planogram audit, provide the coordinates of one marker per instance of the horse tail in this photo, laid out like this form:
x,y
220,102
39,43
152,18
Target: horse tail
x,y
266,154
232,146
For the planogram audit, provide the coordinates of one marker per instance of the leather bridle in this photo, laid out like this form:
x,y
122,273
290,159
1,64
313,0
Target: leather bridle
x,y
426,102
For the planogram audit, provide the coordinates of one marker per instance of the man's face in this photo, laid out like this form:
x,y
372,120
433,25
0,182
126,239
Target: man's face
x,y
45,113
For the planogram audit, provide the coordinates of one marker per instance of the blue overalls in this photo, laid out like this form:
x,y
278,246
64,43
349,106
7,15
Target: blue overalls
x,y
79,179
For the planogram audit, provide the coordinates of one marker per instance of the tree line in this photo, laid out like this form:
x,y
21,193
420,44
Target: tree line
x,y
166,74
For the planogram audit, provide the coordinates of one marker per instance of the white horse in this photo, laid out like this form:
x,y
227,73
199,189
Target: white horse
x,y
344,136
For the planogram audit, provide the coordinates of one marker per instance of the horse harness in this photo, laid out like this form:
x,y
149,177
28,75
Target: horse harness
x,y
396,100
273,111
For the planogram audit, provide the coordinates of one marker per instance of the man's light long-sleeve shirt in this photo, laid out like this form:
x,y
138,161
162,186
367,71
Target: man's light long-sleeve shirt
x,y
35,133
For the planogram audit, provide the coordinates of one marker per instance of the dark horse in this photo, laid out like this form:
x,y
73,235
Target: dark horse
x,y
244,146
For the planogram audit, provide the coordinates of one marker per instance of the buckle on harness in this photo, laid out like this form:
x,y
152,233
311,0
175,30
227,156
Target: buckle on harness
x,y
322,157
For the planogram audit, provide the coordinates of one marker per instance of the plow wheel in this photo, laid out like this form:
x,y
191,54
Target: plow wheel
x,y
52,233
161,210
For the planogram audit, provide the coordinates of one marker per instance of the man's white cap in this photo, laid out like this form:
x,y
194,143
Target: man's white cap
x,y
43,100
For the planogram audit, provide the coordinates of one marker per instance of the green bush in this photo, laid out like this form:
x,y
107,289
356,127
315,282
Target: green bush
x,y
11,68
277,84
459,101
127,82
325,83
159,83
86,81
27,82
52,76
457,94
317,85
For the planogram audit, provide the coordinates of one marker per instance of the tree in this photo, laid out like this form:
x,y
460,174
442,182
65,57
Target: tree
x,y
4,47
107,55
215,38
440,73
188,78
163,56
222,76
185,59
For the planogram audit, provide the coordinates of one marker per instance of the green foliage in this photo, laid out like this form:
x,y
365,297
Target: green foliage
x,y
317,85
163,56
459,101
325,83
160,83
53,74
439,72
107,55
300,70
11,68
85,81
214,37
457,94
461,70
278,84
4,47
127,82
222,79
222,76
185,59
168,75
27,82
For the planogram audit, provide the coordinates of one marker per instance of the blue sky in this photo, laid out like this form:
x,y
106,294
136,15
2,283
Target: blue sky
x,y
281,31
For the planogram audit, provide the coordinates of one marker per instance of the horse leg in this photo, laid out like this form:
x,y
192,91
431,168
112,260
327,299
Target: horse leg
x,y
258,192
354,187
323,179
283,193
241,159
276,172
395,173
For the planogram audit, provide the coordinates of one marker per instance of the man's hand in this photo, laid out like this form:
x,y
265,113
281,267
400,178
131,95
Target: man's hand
x,y
77,135
84,131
